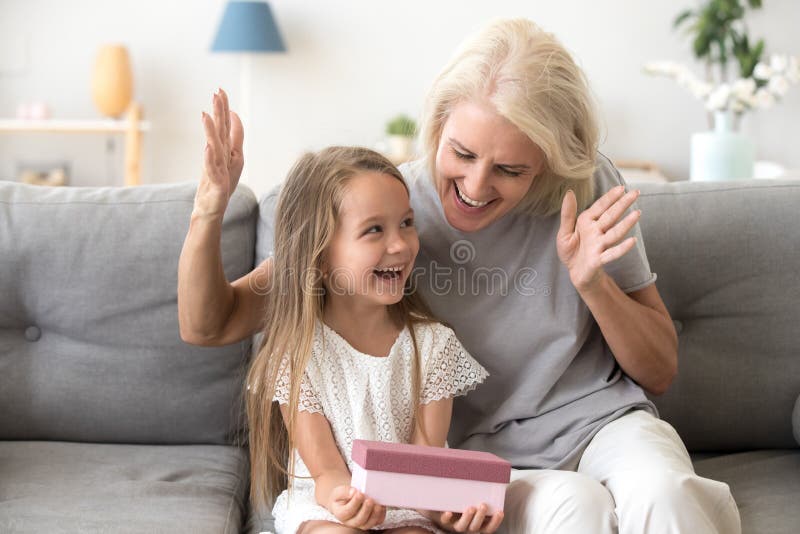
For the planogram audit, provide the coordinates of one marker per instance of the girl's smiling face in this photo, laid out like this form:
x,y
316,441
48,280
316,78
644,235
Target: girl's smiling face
x,y
485,165
374,244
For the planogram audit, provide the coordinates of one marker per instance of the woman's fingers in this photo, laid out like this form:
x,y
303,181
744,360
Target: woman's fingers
x,y
211,139
219,124
615,234
569,210
226,112
609,217
617,251
604,202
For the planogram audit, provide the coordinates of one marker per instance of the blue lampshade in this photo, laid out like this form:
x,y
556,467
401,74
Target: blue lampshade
x,y
248,27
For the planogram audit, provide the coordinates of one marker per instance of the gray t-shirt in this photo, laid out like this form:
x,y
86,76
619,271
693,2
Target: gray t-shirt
x,y
553,380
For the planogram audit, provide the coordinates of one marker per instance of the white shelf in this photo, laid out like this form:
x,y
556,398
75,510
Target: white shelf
x,y
70,125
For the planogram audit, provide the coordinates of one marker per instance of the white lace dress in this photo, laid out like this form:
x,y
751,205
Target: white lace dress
x,y
369,397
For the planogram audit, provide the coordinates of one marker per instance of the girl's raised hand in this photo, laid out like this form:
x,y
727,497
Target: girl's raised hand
x,y
354,509
223,159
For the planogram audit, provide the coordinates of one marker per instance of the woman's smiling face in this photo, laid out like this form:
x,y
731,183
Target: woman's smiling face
x,y
485,166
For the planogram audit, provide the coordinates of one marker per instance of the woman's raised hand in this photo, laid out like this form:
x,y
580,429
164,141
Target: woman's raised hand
x,y
587,242
223,160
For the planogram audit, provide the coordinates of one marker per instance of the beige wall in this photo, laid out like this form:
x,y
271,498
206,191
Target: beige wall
x,y
350,66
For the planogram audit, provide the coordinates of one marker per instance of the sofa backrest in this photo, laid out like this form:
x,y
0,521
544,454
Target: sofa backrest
x,y
90,348
727,256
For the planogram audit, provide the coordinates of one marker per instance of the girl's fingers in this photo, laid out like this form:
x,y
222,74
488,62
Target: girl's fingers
x,y
615,234
615,211
477,520
364,512
494,523
618,251
351,508
466,518
377,517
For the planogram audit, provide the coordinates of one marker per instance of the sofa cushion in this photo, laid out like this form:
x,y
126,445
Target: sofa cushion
x,y
79,487
766,487
726,259
90,348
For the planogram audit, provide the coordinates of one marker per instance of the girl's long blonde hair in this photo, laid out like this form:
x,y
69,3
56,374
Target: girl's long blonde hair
x,y
305,218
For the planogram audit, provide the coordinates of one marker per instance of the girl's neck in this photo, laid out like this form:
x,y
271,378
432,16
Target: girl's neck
x,y
354,321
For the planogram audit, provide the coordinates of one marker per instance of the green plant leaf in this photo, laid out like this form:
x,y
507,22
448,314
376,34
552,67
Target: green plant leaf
x,y
682,17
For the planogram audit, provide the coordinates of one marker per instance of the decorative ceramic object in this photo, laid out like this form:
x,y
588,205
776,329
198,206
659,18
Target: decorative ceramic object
x,y
112,80
722,154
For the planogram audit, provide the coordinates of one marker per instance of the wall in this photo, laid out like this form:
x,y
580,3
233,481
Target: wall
x,y
351,65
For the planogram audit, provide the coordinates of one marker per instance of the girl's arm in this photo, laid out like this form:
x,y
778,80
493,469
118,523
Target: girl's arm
x,y
317,448
435,419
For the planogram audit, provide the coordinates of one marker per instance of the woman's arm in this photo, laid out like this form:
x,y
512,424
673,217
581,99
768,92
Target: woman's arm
x,y
637,328
210,310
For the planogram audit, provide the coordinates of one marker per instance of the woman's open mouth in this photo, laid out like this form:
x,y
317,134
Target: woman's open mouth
x,y
467,204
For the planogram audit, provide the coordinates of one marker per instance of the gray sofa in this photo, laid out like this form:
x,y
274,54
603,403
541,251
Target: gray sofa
x,y
110,423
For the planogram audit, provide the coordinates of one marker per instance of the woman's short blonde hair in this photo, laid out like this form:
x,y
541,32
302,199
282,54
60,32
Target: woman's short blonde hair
x,y
532,81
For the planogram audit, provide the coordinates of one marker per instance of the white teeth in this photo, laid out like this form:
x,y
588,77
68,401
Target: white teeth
x,y
389,269
469,201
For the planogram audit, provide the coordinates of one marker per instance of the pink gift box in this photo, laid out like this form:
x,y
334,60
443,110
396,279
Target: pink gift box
x,y
429,478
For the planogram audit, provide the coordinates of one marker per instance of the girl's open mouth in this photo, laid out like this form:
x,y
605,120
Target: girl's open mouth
x,y
389,273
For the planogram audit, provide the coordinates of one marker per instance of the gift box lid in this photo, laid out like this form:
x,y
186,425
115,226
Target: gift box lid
x,y
430,461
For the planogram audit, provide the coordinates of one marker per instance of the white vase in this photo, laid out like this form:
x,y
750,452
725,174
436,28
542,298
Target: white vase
x,y
400,147
721,154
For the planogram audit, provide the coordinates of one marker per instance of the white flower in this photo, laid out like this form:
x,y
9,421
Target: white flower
x,y
762,72
738,106
744,87
718,99
665,68
778,63
778,85
793,70
701,89
764,99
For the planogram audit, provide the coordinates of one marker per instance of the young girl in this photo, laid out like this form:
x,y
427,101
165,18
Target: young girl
x,y
349,350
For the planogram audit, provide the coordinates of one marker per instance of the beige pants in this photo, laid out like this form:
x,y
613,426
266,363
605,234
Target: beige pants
x,y
635,476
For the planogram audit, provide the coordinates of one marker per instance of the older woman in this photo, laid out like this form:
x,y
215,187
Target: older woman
x,y
531,250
